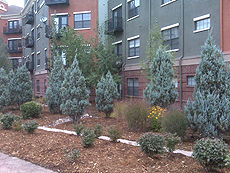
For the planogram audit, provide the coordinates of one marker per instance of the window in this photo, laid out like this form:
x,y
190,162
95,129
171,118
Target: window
x,y
133,87
15,45
134,47
14,26
63,55
191,80
171,37
82,20
38,86
134,8
175,81
19,62
45,85
118,49
166,1
39,62
61,22
38,32
202,24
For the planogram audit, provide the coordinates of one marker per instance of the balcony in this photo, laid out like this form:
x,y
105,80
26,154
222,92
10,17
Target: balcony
x,y
29,42
56,2
7,30
30,65
29,19
14,49
114,25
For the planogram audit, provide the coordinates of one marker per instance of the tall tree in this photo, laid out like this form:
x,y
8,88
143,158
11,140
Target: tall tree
x,y
160,91
5,63
74,93
106,92
209,113
4,91
20,86
53,93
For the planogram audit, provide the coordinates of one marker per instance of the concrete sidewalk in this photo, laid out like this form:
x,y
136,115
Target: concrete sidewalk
x,y
14,165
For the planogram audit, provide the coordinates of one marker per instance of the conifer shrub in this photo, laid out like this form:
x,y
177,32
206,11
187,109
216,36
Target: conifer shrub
x,y
152,144
171,141
211,153
73,155
174,121
88,138
31,110
4,89
30,126
114,133
7,120
98,130
106,93
136,115
78,128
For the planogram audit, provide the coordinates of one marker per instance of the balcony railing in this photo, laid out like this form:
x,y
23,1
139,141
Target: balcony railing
x,y
56,2
114,25
7,30
30,65
29,19
29,42
14,49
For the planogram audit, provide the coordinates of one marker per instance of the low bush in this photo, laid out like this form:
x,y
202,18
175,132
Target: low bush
x,y
88,138
155,116
17,125
136,115
211,153
7,120
152,144
31,110
78,128
30,126
73,155
171,141
98,130
174,121
114,133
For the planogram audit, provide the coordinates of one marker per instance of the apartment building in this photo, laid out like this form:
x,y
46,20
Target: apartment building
x,y
37,15
11,28
184,24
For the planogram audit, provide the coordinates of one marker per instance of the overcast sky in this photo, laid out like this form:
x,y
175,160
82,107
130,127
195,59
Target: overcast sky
x,y
19,3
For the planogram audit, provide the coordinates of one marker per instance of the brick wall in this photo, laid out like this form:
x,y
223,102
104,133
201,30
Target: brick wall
x,y
41,78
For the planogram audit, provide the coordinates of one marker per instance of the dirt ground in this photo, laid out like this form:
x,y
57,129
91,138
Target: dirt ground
x,y
49,149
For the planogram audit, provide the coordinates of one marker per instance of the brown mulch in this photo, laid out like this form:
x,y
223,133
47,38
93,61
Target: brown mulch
x,y
48,149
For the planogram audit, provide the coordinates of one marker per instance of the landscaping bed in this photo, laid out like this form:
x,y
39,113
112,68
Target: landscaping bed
x,y
49,149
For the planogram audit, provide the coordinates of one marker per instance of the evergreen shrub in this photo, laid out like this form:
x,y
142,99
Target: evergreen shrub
x,y
152,144
31,110
114,133
30,126
73,155
211,153
4,88
136,115
174,121
7,120
98,130
78,128
88,138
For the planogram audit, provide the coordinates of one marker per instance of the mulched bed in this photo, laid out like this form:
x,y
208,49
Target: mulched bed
x,y
48,149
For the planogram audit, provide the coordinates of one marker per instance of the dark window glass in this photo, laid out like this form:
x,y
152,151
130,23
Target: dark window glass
x,y
82,20
134,8
38,86
133,87
171,38
134,47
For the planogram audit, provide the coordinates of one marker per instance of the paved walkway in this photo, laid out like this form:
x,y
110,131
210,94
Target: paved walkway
x,y
14,165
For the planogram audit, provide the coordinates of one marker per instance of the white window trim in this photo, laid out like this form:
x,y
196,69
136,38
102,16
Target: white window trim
x,y
13,20
200,30
117,7
38,52
45,49
14,57
60,14
14,38
133,57
77,29
38,25
134,17
134,37
117,42
81,12
38,39
168,3
202,17
173,50
170,26
32,53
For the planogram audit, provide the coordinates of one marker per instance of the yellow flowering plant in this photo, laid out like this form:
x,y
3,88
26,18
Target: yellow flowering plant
x,y
155,116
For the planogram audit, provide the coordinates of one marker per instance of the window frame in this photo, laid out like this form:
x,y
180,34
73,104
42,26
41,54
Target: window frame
x,y
136,9
132,90
190,80
82,21
172,39
135,47
202,19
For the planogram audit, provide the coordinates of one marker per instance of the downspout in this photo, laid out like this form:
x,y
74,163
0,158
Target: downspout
x,y
182,50
35,52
